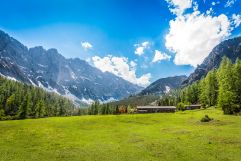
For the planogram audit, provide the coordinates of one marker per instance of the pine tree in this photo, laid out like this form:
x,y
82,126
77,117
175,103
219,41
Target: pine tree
x,y
2,113
11,107
24,108
107,110
17,99
237,83
96,108
226,95
203,97
40,109
211,88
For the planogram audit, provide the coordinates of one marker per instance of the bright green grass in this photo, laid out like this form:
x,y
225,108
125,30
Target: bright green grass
x,y
140,137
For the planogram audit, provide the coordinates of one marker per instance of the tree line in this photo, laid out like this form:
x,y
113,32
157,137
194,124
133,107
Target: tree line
x,y
20,101
97,108
220,88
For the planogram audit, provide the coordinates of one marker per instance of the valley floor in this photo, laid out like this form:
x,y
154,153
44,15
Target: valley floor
x,y
140,137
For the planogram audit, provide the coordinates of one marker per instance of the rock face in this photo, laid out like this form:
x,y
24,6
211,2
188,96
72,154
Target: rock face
x,y
73,78
230,48
164,85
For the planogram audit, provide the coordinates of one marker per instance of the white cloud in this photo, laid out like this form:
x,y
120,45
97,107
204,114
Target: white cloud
x,y
160,56
179,6
139,51
210,11
213,3
141,47
144,80
86,45
230,3
133,64
88,60
120,66
192,36
236,20
145,44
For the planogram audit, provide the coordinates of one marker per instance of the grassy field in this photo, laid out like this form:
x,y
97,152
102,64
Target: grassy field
x,y
140,137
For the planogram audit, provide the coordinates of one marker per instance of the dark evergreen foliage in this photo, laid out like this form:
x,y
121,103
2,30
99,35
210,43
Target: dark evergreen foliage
x,y
20,101
220,88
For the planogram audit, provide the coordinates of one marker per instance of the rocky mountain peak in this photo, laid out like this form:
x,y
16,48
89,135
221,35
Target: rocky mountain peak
x,y
73,78
230,48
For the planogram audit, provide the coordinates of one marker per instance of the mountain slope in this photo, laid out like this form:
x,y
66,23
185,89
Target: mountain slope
x,y
73,78
164,85
230,48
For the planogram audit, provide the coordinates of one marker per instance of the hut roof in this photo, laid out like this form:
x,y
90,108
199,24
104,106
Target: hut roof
x,y
193,105
156,107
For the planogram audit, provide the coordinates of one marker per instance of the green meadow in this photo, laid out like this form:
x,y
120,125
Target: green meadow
x,y
138,137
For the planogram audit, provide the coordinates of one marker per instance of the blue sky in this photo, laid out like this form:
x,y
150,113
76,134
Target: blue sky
x,y
138,40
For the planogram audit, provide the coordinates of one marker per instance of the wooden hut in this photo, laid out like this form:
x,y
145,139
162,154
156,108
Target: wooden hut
x,y
192,107
155,109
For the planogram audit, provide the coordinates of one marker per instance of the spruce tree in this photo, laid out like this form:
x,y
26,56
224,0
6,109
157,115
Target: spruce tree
x,y
40,109
203,97
237,77
24,108
226,95
211,88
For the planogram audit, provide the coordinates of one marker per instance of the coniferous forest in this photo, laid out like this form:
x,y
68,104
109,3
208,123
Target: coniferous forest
x,y
120,80
20,101
220,88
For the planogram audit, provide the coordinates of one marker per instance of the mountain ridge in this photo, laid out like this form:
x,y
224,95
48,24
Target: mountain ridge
x,y
230,48
72,77
164,85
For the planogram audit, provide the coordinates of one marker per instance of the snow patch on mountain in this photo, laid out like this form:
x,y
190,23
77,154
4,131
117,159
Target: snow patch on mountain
x,y
41,65
167,89
48,69
109,100
87,101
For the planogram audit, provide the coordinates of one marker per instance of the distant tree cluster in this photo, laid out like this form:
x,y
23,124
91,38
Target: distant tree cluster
x,y
220,88
20,101
105,109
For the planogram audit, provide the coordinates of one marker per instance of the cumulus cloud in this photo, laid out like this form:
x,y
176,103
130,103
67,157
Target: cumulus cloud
x,y
133,64
122,67
193,35
230,3
86,45
141,47
179,6
236,20
160,56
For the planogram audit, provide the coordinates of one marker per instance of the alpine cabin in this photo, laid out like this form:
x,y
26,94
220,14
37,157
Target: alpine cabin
x,y
155,109
192,107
